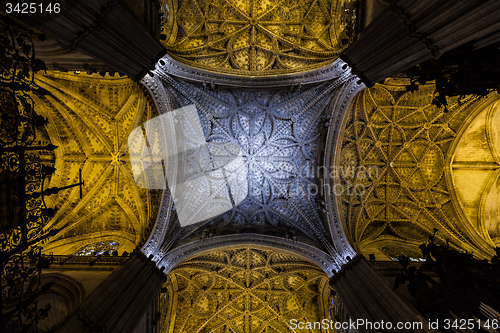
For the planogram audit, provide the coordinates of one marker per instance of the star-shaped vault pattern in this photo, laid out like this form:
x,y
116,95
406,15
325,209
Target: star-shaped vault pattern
x,y
392,165
243,290
277,132
89,120
253,37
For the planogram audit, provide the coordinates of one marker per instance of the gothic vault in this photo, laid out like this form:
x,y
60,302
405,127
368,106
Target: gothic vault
x,y
336,166
406,167
403,164
253,37
243,290
89,120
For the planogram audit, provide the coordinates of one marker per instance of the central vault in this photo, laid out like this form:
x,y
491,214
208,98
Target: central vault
x,y
277,132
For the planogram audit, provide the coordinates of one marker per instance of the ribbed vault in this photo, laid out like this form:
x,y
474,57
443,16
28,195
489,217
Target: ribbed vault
x,y
394,167
475,172
243,290
90,118
254,37
278,132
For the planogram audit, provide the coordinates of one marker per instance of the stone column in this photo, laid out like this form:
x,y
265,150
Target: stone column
x,y
105,30
367,295
59,57
410,32
120,302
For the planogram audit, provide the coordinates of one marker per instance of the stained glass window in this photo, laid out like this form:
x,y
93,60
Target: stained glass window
x,y
97,249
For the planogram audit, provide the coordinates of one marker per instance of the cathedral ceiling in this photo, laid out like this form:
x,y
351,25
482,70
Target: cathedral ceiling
x,y
410,162
394,163
476,172
90,118
277,132
242,290
254,37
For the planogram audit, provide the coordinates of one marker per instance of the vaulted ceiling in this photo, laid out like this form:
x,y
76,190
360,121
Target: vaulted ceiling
x,y
254,37
475,171
404,166
277,132
90,118
408,167
243,290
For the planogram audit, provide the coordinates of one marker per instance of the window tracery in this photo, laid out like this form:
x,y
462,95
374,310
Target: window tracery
x,y
394,251
98,248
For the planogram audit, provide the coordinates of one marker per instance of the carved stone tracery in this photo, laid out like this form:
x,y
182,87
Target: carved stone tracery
x,y
277,131
253,37
243,290
89,120
391,164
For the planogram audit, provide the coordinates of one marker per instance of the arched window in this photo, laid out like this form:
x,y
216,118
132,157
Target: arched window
x,y
98,248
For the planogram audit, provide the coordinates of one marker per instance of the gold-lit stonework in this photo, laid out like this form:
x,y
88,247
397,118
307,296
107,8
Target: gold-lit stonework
x,y
476,172
243,290
90,118
253,37
392,164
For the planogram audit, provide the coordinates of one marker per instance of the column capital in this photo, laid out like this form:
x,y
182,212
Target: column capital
x,y
344,267
149,262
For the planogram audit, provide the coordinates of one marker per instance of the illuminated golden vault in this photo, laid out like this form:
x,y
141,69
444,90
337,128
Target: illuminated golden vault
x,y
243,290
407,145
90,118
253,37
476,172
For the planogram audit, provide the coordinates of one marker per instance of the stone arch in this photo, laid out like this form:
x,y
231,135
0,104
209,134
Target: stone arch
x,y
65,294
337,119
472,199
321,259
